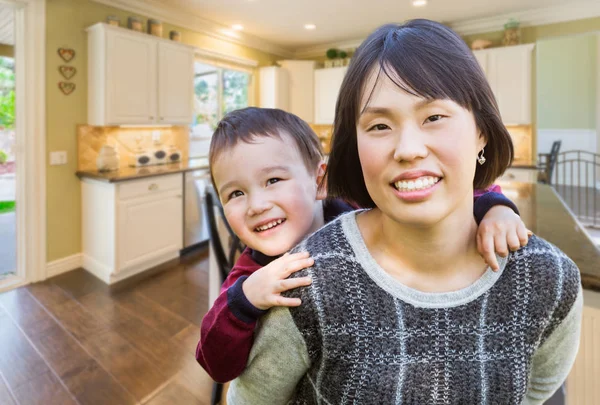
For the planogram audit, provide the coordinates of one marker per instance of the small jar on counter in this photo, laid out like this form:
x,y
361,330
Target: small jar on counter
x,y
113,20
175,36
154,27
135,24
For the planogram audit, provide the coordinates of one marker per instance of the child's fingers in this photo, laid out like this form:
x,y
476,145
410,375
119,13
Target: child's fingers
x,y
485,246
296,265
296,256
514,243
501,245
279,301
291,283
523,234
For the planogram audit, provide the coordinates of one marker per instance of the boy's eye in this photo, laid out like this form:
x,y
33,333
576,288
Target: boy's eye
x,y
379,127
273,180
234,194
434,118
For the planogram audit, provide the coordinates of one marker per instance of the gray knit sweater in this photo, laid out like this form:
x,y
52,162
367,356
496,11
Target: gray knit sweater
x,y
360,337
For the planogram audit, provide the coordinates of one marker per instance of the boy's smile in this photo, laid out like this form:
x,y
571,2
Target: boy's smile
x,y
268,195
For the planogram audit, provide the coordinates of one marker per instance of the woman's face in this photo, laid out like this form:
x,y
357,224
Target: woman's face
x,y
418,156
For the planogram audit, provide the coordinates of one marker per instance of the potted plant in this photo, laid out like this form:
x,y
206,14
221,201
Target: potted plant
x,y
331,54
344,57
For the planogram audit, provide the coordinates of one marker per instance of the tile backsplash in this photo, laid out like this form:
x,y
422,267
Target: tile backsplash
x,y
90,140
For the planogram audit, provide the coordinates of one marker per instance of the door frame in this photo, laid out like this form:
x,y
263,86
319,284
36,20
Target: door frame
x,y
30,76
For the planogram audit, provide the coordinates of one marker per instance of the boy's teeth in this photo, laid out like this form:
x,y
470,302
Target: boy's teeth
x,y
269,225
418,184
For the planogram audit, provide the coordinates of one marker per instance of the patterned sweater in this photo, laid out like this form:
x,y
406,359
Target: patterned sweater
x,y
361,337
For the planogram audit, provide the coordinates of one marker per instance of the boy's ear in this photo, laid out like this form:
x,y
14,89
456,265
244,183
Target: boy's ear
x,y
321,181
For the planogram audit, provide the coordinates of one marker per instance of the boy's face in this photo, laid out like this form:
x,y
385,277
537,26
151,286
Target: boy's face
x,y
268,195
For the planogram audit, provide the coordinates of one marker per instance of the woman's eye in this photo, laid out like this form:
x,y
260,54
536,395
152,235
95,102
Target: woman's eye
x,y
273,180
434,118
236,193
379,127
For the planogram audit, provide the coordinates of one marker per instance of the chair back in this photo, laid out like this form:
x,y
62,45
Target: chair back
x,y
552,160
224,256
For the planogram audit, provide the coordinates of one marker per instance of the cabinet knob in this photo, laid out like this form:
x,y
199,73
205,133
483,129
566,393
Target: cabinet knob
x,y
153,186
151,118
179,196
162,118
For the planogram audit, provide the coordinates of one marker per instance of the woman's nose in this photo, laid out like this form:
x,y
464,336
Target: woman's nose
x,y
410,145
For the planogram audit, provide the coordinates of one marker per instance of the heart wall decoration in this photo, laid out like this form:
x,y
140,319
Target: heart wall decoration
x,y
66,87
66,54
67,71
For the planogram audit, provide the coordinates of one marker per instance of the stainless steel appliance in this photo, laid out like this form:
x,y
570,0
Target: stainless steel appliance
x,y
195,229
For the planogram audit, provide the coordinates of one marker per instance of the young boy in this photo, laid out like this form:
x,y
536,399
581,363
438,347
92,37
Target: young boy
x,y
267,167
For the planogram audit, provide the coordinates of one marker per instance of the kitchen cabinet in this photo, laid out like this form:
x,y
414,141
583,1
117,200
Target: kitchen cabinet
x,y
522,175
290,87
138,79
131,226
509,70
327,87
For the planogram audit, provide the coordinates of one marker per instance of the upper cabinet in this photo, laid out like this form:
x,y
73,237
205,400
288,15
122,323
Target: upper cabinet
x,y
135,78
327,87
509,72
290,87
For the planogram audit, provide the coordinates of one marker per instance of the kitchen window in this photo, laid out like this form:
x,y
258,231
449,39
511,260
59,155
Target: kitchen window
x,y
217,91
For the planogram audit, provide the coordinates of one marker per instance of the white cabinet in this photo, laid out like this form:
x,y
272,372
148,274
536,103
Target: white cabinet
x,y
135,78
508,71
290,87
521,175
131,226
327,87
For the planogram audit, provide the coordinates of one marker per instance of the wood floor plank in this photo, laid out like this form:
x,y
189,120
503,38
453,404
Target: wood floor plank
x,y
44,389
174,393
137,374
6,397
152,313
79,322
19,362
48,294
26,311
79,282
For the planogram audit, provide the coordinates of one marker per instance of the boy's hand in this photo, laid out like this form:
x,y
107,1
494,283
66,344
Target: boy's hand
x,y
264,287
500,230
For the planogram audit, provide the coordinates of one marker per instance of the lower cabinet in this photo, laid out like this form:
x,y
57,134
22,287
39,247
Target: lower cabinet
x,y
131,226
520,175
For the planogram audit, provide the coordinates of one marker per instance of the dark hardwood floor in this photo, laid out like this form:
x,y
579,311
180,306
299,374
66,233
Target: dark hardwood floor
x,y
73,340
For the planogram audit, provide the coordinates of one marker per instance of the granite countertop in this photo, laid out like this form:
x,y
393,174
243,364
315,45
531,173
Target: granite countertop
x,y
547,216
132,173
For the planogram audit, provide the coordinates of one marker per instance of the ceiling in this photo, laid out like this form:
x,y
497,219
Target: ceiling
x,y
7,24
281,22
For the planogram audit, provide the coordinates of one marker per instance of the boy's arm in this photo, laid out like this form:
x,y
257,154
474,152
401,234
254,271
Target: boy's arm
x,y
227,330
487,199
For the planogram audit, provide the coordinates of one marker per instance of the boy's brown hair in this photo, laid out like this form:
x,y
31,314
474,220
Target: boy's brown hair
x,y
247,124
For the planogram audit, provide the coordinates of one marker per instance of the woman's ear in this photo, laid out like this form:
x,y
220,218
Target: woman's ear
x,y
321,181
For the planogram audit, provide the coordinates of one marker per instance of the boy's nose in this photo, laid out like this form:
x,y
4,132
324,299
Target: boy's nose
x,y
258,206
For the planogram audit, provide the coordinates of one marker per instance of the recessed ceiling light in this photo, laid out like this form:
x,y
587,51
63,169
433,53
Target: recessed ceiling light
x,y
310,26
419,3
237,27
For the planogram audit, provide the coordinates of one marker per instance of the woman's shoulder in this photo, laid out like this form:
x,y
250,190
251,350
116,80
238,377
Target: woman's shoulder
x,y
546,257
331,238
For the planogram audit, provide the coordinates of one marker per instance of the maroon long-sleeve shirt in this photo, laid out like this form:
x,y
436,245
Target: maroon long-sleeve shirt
x,y
227,330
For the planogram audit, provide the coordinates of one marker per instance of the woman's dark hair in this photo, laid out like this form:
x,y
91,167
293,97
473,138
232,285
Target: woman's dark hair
x,y
426,59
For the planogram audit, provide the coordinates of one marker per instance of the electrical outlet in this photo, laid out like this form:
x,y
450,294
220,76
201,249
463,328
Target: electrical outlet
x,y
156,135
58,158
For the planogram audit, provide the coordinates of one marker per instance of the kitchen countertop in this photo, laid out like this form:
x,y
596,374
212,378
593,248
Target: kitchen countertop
x,y
132,173
547,216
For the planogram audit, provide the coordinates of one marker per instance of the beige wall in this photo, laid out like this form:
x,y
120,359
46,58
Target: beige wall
x,y
66,21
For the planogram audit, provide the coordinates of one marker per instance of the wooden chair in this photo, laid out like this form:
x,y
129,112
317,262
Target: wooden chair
x,y
225,261
547,162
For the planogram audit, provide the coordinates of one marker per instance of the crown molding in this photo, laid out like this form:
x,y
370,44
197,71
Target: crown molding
x,y
540,16
528,18
186,19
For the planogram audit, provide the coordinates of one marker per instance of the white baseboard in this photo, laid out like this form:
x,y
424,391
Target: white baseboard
x,y
63,265
96,268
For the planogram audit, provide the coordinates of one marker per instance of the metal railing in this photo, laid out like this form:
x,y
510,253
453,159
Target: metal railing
x,y
576,178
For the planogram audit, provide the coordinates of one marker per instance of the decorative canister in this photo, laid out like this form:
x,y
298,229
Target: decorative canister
x,y
108,159
154,27
175,36
113,20
135,24
512,33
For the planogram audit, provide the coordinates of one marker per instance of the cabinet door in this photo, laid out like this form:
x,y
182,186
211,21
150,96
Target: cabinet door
x,y
327,88
274,88
175,84
130,79
509,72
148,228
481,57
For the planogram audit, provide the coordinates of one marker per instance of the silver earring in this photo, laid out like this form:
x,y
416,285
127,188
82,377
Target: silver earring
x,y
481,158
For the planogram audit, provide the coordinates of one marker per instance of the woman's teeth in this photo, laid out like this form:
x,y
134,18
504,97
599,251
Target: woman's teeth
x,y
269,225
417,184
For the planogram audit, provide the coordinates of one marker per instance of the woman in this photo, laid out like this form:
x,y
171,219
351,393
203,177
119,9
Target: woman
x,y
402,309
